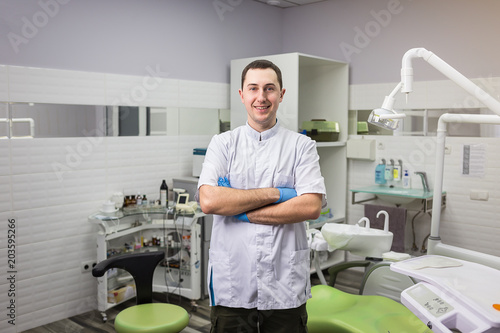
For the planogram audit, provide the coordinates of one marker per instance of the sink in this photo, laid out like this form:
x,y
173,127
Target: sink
x,y
395,199
395,195
361,241
401,196
398,196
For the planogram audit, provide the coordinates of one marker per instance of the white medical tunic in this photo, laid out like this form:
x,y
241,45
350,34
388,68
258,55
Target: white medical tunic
x,y
253,265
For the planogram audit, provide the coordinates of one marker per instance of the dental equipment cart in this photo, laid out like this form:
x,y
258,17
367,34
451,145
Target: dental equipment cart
x,y
127,231
453,295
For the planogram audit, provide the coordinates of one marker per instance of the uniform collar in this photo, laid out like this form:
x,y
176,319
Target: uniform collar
x,y
262,136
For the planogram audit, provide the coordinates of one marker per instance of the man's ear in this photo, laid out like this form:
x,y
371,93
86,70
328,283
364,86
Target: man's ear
x,y
282,93
241,95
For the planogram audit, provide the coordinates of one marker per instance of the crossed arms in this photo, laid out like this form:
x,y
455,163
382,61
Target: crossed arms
x,y
259,204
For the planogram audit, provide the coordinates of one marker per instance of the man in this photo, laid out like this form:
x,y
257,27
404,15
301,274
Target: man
x,y
261,182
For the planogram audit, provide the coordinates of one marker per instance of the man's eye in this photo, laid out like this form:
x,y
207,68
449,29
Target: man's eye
x,y
270,89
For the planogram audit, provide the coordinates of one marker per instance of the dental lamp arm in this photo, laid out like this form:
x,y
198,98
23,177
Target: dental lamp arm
x,y
389,100
385,116
448,71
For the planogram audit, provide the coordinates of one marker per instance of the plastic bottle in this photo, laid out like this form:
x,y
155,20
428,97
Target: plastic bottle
x,y
164,194
397,171
389,171
406,179
380,173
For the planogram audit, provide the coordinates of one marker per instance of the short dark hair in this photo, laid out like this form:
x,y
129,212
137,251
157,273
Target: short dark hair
x,y
262,64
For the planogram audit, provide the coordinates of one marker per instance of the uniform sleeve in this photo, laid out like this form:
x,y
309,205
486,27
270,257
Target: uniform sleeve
x,y
308,173
214,164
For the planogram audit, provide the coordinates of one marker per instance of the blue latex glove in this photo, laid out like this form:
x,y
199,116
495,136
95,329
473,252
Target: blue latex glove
x,y
242,217
286,193
225,183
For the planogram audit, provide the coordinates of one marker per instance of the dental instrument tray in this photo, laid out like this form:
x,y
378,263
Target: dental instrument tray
x,y
321,130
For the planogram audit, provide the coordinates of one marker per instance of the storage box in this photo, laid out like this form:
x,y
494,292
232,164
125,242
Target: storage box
x,y
198,158
362,127
118,295
321,130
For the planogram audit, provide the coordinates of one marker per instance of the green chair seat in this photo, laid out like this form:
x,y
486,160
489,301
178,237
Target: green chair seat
x,y
145,317
331,310
152,318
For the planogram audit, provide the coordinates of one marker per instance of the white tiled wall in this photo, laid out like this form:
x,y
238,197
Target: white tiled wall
x,y
50,186
51,208
41,85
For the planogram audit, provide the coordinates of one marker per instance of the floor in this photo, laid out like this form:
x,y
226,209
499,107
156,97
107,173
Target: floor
x,y
199,322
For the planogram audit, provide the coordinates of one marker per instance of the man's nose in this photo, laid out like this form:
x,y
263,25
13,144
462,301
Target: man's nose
x,y
262,96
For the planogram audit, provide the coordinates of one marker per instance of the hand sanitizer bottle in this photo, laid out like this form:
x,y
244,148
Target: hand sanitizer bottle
x,y
397,171
406,179
380,173
389,170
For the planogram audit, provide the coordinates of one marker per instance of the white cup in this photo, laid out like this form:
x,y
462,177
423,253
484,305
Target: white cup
x,y
108,207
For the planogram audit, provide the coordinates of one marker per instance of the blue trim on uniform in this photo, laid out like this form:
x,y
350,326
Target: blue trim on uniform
x,y
212,286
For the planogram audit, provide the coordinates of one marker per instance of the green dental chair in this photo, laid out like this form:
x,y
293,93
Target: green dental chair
x,y
145,317
332,310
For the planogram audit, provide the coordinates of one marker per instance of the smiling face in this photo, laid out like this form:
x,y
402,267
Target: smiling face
x,y
261,94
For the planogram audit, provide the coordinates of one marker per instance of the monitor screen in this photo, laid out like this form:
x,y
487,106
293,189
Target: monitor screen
x,y
182,199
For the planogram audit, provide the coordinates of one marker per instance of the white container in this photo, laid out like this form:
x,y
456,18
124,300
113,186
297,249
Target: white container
x,y
406,179
108,207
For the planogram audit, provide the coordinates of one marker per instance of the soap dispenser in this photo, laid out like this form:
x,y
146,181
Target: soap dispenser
x,y
397,170
389,170
380,172
406,179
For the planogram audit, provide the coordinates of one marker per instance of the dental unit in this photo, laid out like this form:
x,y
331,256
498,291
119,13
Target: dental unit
x,y
459,290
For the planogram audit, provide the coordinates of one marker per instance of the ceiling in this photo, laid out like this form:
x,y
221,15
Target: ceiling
x,y
288,3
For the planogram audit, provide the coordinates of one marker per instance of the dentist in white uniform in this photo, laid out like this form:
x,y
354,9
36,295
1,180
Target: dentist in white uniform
x,y
261,182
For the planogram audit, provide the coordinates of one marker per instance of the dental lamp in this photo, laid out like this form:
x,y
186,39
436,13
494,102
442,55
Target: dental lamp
x,y
388,118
